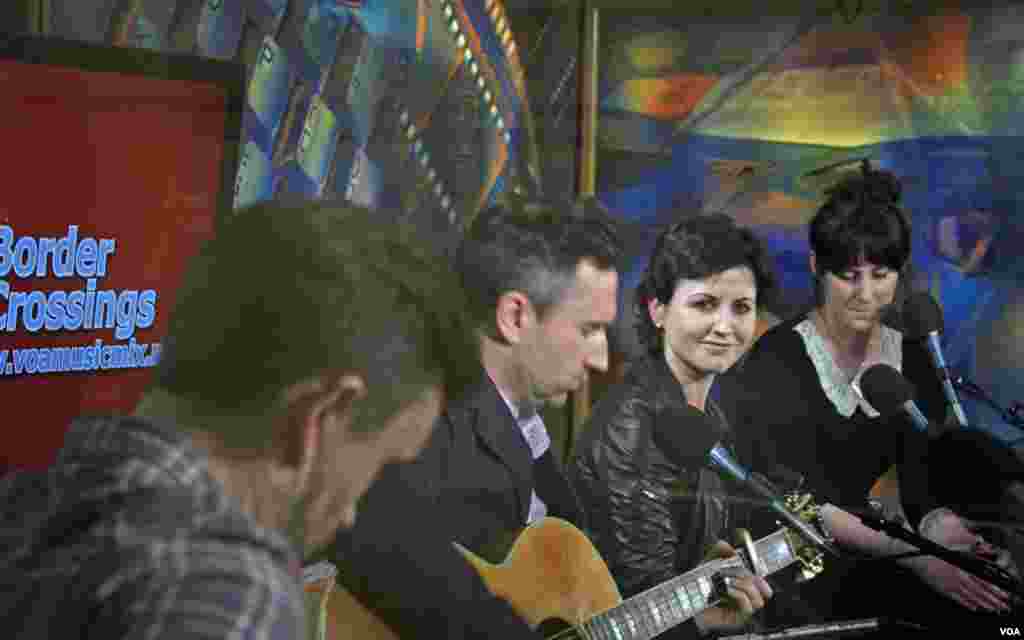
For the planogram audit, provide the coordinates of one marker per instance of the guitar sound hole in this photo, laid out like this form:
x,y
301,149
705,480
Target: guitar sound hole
x,y
558,629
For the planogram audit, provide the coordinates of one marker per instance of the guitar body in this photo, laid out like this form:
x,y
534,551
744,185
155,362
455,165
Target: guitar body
x,y
553,572
348,619
556,581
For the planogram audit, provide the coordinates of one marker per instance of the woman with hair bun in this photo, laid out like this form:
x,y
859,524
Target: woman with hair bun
x,y
796,403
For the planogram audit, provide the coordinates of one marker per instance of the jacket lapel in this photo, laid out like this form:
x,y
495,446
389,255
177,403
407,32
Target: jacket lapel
x,y
492,421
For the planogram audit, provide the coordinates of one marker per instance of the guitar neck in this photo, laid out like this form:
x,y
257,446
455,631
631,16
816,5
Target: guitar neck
x,y
675,601
775,551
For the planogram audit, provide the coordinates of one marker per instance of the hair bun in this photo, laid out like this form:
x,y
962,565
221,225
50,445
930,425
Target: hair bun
x,y
869,186
882,187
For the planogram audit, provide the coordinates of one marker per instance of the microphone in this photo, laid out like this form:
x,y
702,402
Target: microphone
x,y
888,392
923,320
700,443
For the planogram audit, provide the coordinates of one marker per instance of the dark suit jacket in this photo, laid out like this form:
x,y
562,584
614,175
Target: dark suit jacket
x,y
471,484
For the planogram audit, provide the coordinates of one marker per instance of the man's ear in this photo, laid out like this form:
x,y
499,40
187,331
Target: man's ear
x,y
512,314
311,406
813,262
656,311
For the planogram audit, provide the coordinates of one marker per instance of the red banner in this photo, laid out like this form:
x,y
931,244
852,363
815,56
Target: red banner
x,y
109,184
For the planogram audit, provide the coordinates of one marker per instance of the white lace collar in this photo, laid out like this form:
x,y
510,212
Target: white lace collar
x,y
846,397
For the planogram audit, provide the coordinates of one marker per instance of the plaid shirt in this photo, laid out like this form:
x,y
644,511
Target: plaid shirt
x,y
128,536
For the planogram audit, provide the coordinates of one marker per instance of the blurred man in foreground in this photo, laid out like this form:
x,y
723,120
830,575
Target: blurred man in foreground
x,y
310,346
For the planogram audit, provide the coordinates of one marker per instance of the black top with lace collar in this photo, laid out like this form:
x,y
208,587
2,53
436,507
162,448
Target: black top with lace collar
x,y
789,405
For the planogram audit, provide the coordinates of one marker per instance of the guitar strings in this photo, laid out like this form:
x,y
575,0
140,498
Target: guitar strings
x,y
579,630
566,633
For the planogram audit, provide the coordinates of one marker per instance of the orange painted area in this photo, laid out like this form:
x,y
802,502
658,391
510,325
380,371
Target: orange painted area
x,y
486,68
929,55
770,207
421,26
495,167
933,53
670,97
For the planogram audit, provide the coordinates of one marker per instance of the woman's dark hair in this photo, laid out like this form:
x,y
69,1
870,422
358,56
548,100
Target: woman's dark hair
x,y
693,249
861,221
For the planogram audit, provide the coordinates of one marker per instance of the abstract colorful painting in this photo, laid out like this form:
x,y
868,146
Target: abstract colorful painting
x,y
412,107
757,115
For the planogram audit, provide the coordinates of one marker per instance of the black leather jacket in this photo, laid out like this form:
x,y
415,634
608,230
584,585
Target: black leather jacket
x,y
651,519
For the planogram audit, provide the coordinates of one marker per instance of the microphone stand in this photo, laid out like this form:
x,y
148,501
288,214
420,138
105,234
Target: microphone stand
x,y
828,630
969,563
1012,416
721,460
801,527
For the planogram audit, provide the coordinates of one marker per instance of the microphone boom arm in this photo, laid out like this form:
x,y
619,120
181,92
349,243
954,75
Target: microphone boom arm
x,y
975,566
1011,416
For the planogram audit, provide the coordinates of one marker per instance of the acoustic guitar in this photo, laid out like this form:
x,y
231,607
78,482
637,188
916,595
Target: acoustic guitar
x,y
555,579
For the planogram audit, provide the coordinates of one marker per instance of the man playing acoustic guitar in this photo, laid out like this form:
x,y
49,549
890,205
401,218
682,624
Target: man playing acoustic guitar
x,y
542,283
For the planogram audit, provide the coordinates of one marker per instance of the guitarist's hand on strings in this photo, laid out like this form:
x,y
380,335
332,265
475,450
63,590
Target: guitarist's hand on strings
x,y
746,595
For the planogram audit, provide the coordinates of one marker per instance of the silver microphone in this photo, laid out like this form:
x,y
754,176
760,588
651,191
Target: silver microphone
x,y
924,322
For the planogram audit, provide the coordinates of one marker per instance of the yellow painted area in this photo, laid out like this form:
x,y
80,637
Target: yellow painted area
x,y
655,52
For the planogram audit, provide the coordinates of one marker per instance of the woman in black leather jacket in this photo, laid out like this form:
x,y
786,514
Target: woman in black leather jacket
x,y
696,308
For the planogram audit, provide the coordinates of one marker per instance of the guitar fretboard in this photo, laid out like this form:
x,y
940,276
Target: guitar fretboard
x,y
675,601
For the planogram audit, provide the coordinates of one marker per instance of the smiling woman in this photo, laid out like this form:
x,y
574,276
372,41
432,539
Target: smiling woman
x,y
707,324
696,314
696,305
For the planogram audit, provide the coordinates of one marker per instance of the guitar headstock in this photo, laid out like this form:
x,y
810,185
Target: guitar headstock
x,y
810,557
